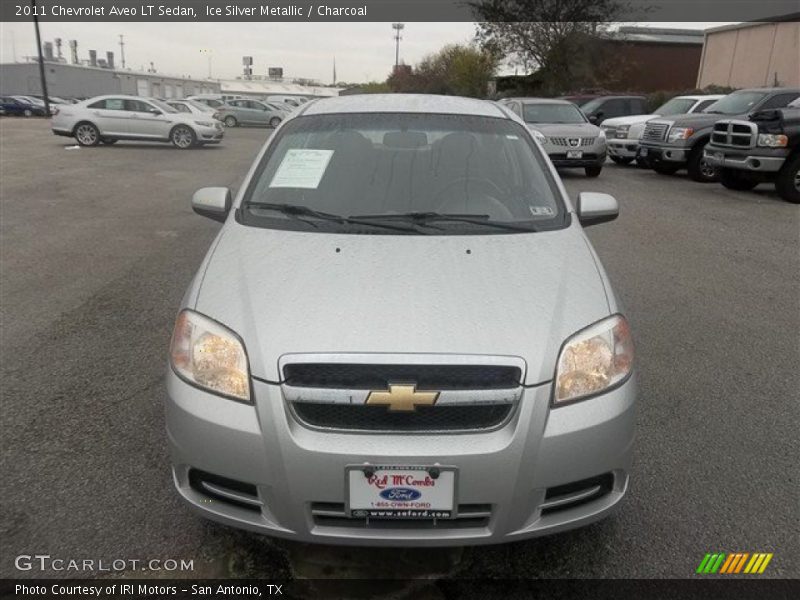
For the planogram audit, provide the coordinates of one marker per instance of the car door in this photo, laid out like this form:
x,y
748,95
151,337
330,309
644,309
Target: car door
x,y
146,120
241,112
261,111
110,116
611,108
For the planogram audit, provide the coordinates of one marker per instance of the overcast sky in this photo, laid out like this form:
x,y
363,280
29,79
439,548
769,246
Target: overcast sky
x,y
363,51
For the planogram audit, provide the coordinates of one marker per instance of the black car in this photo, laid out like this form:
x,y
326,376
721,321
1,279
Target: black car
x,y
608,107
673,143
19,108
762,149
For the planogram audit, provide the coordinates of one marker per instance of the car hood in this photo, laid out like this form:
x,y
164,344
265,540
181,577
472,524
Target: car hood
x,y
507,294
632,120
696,120
565,129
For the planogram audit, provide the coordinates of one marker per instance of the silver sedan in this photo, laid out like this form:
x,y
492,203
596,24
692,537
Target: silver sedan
x,y
401,336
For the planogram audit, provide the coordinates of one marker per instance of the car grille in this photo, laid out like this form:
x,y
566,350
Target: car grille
x,y
368,417
734,134
333,514
378,376
655,132
572,142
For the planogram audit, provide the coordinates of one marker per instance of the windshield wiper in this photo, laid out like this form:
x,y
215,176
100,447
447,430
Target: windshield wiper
x,y
425,218
297,211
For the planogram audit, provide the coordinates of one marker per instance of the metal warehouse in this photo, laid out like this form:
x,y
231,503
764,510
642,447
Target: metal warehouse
x,y
84,81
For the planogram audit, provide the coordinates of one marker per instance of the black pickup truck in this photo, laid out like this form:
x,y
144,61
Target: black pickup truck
x,y
763,148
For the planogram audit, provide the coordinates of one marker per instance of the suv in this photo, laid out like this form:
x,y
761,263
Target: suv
x,y
609,107
671,144
623,133
765,148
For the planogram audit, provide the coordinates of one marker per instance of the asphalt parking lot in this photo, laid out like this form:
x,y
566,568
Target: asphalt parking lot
x,y
99,244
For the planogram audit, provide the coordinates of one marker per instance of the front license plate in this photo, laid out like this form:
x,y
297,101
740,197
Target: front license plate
x,y
574,154
388,492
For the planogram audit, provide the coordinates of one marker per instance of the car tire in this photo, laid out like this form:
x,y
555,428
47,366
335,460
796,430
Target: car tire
x,y
230,121
642,163
274,122
592,171
182,137
663,168
621,160
735,179
86,134
788,182
699,168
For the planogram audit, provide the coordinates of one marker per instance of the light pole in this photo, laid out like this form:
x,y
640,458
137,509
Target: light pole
x,y
398,27
41,60
209,54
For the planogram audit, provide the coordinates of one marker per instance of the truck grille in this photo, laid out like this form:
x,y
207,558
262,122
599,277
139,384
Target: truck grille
x,y
655,132
572,142
376,376
368,417
734,134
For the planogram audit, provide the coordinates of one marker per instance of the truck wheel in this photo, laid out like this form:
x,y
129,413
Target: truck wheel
x,y
788,182
621,160
735,179
230,121
663,168
699,168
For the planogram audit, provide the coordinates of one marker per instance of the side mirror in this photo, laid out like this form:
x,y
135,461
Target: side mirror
x,y
154,111
594,208
212,202
593,119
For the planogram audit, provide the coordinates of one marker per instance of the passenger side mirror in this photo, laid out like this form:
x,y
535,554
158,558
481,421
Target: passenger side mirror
x,y
594,208
212,202
593,119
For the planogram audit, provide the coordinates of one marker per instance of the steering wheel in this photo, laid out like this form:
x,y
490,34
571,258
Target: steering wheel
x,y
491,198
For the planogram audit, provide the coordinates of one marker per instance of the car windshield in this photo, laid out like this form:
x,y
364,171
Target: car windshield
x,y
736,103
676,106
389,173
199,106
162,105
592,105
552,113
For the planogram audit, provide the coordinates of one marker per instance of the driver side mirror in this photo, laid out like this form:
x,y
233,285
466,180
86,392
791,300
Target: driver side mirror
x,y
594,208
212,202
593,119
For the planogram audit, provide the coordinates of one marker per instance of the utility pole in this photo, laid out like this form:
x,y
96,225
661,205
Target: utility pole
x,y
398,27
41,60
122,49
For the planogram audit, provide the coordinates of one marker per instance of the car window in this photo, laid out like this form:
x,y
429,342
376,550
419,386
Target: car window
x,y
388,164
615,107
737,103
676,106
235,103
701,106
109,104
180,107
255,105
137,106
778,101
552,113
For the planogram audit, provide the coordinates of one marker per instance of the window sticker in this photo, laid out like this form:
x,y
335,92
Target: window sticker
x,y
538,211
301,168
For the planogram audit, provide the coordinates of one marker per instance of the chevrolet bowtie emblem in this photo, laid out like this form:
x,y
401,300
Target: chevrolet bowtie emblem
x,y
403,397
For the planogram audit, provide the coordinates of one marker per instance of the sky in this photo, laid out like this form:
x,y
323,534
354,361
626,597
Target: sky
x,y
363,51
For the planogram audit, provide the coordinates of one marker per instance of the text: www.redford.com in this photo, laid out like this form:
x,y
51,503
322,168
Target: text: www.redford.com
x,y
45,562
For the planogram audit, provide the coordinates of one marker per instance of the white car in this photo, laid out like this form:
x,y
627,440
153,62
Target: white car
x,y
108,119
623,133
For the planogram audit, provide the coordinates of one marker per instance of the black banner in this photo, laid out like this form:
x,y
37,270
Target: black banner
x,y
365,10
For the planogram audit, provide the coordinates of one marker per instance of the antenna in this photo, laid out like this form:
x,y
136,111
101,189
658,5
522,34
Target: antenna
x,y
122,49
398,27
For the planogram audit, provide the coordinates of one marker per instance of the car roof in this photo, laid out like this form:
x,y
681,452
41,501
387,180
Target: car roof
x,y
541,100
772,90
404,103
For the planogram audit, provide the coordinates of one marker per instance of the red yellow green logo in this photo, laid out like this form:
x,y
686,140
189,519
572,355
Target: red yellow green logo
x,y
734,563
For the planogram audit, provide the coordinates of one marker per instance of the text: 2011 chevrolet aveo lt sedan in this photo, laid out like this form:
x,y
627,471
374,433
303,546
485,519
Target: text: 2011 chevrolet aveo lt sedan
x,y
401,336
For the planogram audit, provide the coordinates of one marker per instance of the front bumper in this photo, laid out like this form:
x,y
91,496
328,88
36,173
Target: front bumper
x,y
623,148
295,469
769,161
673,154
210,134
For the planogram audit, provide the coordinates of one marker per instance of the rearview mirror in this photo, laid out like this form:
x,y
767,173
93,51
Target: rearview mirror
x,y
594,208
212,202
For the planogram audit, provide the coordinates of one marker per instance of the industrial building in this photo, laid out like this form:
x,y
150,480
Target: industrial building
x,y
752,54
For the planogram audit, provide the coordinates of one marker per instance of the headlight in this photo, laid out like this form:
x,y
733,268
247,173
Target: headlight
x,y
593,360
680,133
540,137
205,123
601,135
209,355
622,131
772,140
